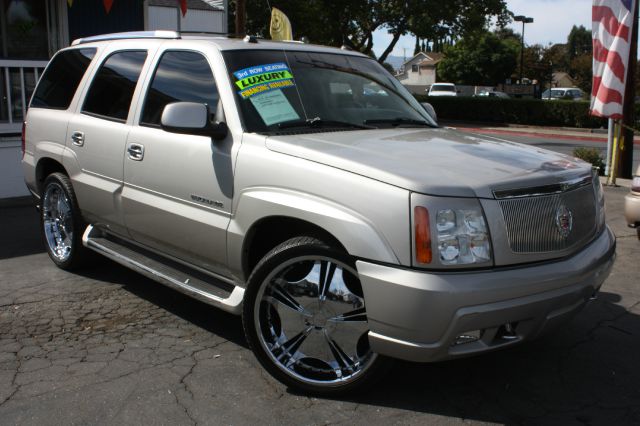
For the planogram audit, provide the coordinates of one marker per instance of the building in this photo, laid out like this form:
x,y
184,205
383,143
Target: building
x,y
419,73
33,30
562,79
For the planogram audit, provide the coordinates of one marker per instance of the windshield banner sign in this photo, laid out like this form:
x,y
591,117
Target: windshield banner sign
x,y
263,78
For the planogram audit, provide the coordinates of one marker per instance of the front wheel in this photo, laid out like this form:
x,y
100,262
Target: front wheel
x,y
306,320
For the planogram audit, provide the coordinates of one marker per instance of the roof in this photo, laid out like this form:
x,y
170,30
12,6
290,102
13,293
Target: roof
x,y
431,57
223,43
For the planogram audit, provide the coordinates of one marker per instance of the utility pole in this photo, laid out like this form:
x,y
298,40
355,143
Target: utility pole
x,y
626,155
241,18
524,20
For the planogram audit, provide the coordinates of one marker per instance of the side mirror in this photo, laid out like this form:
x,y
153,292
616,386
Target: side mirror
x,y
191,118
430,110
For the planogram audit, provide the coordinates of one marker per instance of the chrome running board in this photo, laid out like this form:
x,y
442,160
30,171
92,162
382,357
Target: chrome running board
x,y
203,287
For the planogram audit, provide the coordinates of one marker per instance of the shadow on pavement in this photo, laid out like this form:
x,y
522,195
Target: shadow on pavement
x,y
584,373
207,317
21,228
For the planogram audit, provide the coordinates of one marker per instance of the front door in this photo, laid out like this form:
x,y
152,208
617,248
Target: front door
x,y
178,188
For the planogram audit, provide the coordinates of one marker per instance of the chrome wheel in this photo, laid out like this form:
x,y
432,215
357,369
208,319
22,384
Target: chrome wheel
x,y
311,321
57,220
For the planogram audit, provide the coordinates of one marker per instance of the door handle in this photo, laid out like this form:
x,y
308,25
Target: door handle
x,y
77,138
135,151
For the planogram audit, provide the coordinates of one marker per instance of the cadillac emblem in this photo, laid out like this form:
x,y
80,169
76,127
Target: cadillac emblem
x,y
564,221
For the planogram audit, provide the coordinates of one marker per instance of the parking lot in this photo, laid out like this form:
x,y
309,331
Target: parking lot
x,y
108,346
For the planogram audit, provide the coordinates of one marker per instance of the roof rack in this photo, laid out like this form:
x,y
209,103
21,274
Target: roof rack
x,y
215,33
128,35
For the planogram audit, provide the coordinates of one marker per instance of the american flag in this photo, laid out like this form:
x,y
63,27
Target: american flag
x,y
612,21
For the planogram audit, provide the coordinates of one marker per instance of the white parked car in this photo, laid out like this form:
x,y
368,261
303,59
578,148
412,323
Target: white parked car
x,y
563,93
443,89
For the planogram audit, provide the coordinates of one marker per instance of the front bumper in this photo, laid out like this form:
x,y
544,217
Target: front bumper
x,y
418,316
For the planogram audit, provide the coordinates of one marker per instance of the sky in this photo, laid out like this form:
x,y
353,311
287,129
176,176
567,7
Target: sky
x,y
553,20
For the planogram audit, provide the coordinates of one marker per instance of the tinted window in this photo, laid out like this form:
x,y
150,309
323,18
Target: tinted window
x,y
61,79
112,88
179,77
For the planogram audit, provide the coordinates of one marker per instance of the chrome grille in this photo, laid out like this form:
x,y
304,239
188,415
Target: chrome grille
x,y
532,224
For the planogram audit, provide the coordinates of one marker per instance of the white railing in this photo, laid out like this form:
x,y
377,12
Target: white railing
x,y
18,78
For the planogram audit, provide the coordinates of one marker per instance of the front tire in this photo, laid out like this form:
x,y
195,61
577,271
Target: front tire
x,y
61,223
305,318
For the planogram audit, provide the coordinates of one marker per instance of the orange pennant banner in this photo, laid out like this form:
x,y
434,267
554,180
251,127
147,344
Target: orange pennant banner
x,y
183,6
107,5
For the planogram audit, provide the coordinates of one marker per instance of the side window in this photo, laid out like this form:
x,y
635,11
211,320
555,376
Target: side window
x,y
61,79
181,76
113,85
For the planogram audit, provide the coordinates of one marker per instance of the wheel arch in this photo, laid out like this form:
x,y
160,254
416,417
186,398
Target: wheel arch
x,y
265,217
270,231
44,168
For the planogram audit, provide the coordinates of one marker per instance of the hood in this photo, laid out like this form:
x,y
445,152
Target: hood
x,y
434,161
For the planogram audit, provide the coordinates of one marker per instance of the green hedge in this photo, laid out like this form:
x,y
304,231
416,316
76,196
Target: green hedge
x,y
515,111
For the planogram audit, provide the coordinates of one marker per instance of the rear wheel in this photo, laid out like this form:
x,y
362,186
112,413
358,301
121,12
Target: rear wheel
x,y
62,224
306,320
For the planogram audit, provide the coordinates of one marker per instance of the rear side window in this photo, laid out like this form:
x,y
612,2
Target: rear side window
x,y
113,85
181,76
61,79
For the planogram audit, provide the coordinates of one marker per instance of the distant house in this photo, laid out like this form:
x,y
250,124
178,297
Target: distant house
x,y
562,79
419,73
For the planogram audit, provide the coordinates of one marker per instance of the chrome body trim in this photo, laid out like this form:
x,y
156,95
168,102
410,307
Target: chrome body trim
x,y
164,34
145,266
556,188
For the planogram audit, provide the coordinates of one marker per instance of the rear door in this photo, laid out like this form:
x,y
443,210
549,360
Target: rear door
x,y
97,135
52,106
178,188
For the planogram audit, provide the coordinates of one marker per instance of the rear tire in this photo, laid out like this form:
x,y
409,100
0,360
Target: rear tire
x,y
61,223
305,319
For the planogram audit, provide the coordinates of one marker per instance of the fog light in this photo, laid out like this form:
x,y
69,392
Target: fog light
x,y
467,337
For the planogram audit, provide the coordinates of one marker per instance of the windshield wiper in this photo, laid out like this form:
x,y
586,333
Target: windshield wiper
x,y
317,123
399,121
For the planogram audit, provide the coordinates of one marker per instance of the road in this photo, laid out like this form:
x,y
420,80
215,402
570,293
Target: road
x,y
107,346
564,145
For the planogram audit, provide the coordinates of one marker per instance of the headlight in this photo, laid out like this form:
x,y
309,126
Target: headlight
x,y
462,237
454,230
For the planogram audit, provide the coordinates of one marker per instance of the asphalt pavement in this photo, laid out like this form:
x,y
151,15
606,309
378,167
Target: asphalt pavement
x,y
107,346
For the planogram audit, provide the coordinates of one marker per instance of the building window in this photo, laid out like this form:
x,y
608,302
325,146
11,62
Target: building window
x,y
414,68
25,26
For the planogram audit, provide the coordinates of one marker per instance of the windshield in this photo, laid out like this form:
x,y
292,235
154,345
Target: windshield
x,y
312,91
442,88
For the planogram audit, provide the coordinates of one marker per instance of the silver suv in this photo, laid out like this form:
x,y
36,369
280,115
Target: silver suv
x,y
305,189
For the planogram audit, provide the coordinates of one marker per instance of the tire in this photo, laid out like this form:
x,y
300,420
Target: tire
x,y
61,223
307,332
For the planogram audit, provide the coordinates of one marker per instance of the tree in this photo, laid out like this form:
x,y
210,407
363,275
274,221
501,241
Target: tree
x,y
579,42
479,59
355,21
